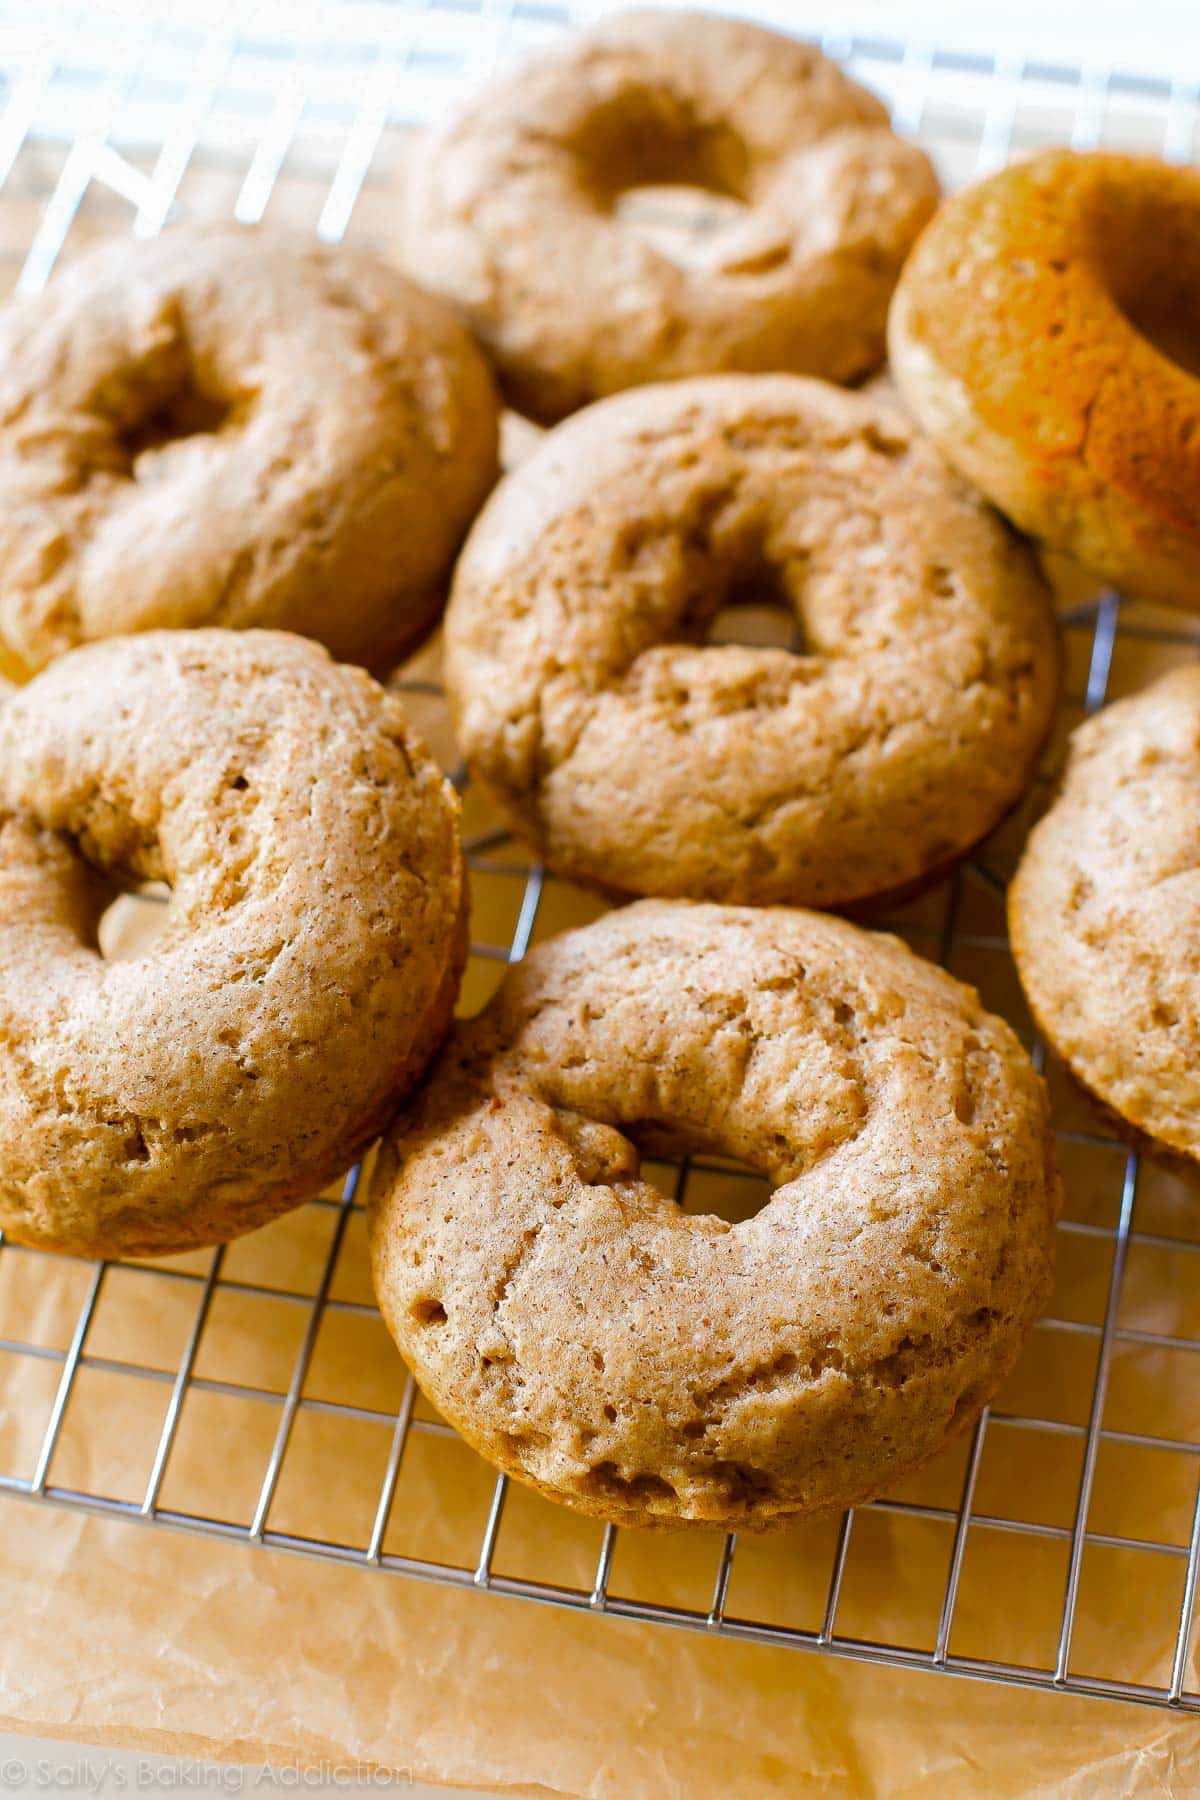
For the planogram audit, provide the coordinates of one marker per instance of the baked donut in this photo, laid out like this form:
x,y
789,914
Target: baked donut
x,y
513,211
309,964
226,426
654,1367
634,757
1046,332
1104,912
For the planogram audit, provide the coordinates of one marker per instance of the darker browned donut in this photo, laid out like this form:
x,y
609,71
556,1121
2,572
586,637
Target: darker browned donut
x,y
1045,333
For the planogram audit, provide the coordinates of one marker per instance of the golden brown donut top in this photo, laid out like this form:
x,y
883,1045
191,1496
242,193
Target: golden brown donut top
x,y
1105,911
636,757
227,426
650,1366
1040,331
513,210
310,954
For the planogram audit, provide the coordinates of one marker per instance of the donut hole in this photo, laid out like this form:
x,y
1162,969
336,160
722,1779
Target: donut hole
x,y
1171,329
1150,258
675,181
761,624
650,137
133,921
756,609
186,414
752,603
711,1186
724,1189
126,865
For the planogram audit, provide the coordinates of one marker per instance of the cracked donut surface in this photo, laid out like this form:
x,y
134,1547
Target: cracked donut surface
x,y
634,756
313,941
230,426
1046,331
514,211
652,1367
1104,912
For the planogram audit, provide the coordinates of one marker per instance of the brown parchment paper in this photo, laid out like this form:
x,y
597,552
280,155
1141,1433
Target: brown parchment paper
x,y
120,1635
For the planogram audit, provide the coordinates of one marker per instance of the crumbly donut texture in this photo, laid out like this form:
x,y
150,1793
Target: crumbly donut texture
x,y
310,960
1104,912
656,1368
636,758
228,426
512,211
1045,331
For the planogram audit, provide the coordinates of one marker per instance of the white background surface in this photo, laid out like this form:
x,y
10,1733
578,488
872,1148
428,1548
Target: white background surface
x,y
1151,37
1147,37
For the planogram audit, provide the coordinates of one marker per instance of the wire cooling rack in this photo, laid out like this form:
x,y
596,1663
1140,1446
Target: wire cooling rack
x,y
202,1393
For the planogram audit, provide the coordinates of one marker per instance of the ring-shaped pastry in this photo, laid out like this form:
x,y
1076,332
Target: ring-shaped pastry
x,y
1046,332
638,758
227,426
657,1367
1104,912
514,211
310,958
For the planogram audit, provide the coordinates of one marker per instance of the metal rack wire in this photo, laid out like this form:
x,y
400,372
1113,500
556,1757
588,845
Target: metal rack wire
x,y
98,134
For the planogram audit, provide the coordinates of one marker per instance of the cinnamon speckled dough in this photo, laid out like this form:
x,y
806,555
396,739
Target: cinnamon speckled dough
x,y
653,1367
1105,911
1044,332
634,757
513,214
227,426
311,954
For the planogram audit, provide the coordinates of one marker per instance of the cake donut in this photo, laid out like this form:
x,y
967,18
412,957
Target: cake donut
x,y
1045,332
633,756
653,1367
228,426
512,211
1104,912
310,960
